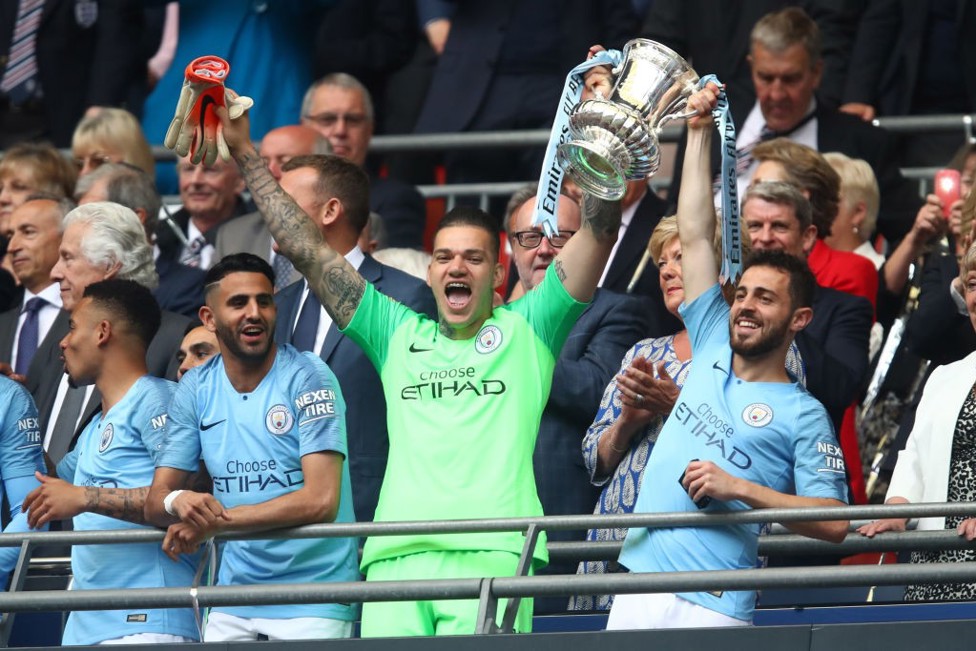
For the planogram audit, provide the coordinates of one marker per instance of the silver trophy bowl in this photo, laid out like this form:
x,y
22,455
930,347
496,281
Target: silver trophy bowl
x,y
614,140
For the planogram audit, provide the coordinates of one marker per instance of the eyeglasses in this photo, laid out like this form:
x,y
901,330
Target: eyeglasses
x,y
329,120
93,161
532,239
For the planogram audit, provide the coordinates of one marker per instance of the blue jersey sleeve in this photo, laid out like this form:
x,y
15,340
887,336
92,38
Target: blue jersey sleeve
x,y
20,457
67,466
320,408
707,319
181,442
818,469
20,440
156,409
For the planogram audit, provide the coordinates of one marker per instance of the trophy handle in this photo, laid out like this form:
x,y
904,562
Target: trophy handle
x,y
676,116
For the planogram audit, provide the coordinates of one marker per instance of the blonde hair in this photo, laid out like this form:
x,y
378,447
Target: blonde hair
x,y
118,130
968,214
968,262
667,230
857,183
52,172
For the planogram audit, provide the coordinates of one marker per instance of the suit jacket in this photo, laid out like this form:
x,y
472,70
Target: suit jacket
x,y
403,210
849,135
936,330
834,349
170,245
82,60
922,471
180,287
715,35
47,368
889,48
361,387
466,68
629,253
587,363
247,234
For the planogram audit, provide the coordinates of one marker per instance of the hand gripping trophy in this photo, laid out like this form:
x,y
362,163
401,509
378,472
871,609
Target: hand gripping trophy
x,y
614,140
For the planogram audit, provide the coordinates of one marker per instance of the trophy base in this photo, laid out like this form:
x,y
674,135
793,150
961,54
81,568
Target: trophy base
x,y
591,165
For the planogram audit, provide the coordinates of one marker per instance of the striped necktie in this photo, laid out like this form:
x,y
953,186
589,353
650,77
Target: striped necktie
x,y
19,78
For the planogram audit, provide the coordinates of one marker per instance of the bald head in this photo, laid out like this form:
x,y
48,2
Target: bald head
x,y
284,143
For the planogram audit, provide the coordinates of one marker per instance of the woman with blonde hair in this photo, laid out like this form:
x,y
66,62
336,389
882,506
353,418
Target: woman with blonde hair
x,y
111,135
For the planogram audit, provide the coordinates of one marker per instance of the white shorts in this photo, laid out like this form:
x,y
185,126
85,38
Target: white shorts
x,y
664,610
149,638
222,627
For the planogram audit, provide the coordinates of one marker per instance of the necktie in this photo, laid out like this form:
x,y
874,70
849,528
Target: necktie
x,y
282,269
191,254
743,157
29,335
66,422
308,324
19,77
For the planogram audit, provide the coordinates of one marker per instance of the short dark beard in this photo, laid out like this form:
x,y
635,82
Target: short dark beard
x,y
766,344
233,347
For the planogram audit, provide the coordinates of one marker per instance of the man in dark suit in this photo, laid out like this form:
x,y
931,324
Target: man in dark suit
x,y
503,67
118,240
86,53
785,79
915,58
335,193
591,355
249,234
211,196
180,287
340,108
35,235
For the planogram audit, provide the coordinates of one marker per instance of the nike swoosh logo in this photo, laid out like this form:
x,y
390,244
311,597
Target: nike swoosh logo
x,y
719,368
413,349
205,426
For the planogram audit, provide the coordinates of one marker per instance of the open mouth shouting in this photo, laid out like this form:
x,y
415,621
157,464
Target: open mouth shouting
x,y
458,295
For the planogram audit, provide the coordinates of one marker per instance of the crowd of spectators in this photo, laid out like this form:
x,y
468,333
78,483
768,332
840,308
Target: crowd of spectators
x,y
279,261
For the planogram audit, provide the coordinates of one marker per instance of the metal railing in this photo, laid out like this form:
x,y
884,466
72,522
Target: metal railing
x,y
489,590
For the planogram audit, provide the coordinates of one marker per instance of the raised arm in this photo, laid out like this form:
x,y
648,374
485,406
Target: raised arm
x,y
336,284
580,263
696,211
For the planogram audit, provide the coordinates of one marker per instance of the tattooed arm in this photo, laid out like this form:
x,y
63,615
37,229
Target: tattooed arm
x,y
580,263
56,499
337,285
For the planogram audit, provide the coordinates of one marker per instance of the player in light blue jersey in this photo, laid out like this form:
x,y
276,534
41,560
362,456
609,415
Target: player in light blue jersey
x,y
268,422
21,457
102,484
743,434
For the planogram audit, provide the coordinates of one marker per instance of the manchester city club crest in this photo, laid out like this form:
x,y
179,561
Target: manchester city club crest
x,y
488,339
107,435
279,420
757,414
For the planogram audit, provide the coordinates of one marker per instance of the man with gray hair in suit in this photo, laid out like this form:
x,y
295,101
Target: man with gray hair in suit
x,y
101,240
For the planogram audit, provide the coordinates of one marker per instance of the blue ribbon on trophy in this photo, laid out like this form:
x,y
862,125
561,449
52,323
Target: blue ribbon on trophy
x,y
552,172
731,236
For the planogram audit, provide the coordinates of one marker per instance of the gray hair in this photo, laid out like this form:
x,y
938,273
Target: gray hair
x,y
523,194
126,185
115,236
781,30
340,80
783,194
62,205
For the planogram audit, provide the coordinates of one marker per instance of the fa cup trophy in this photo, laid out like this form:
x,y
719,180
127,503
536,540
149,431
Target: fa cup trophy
x,y
614,140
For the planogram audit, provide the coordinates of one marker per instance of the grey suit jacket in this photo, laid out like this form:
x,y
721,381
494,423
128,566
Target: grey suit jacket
x,y
246,234
360,383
